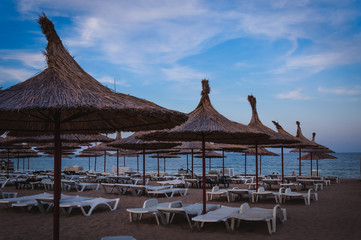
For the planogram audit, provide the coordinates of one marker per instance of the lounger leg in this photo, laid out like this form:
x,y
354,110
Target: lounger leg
x,y
130,217
269,226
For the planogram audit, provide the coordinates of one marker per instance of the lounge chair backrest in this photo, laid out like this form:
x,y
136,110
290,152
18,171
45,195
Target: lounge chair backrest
x,y
150,203
260,189
281,190
176,204
235,188
244,207
215,189
288,190
5,182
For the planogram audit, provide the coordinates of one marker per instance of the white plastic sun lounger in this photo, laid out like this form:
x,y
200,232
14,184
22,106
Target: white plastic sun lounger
x,y
168,192
216,192
188,210
88,206
222,214
149,206
8,194
262,193
10,201
306,196
270,216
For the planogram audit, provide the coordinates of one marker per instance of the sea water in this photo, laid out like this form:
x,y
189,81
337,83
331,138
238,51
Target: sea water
x,y
347,165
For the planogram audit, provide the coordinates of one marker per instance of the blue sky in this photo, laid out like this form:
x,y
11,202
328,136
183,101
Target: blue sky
x,y
300,59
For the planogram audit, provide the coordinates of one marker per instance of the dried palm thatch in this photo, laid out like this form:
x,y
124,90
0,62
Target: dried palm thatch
x,y
72,138
319,148
164,155
210,154
317,156
303,139
232,147
261,151
301,144
50,146
133,142
275,137
197,145
205,123
84,105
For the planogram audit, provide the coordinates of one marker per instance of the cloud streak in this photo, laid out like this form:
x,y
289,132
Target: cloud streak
x,y
293,95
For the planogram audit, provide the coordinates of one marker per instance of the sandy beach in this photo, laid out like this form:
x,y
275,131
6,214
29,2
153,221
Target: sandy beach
x,y
335,216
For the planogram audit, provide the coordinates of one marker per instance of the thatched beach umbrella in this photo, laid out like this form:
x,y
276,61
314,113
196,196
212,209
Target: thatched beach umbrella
x,y
231,148
207,125
210,155
195,146
89,155
164,156
275,137
132,142
312,145
159,152
103,147
261,151
318,149
302,144
65,99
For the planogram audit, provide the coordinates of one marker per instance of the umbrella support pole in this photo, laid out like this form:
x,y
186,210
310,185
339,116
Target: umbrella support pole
x,y
223,162
144,164
117,162
283,172
57,176
299,162
256,167
192,163
245,164
204,174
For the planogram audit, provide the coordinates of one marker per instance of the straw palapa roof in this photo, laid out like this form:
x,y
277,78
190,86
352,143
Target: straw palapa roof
x,y
85,105
317,156
205,122
312,145
164,155
132,142
260,151
73,138
301,143
275,137
210,154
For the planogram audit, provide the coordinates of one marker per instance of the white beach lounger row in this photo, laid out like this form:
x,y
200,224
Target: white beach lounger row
x,y
44,202
245,213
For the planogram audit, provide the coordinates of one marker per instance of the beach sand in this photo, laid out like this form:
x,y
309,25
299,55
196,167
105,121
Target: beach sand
x,y
335,216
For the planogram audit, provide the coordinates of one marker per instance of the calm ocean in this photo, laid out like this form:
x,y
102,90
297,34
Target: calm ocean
x,y
347,165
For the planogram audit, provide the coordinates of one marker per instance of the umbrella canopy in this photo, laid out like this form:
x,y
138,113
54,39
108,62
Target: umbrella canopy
x,y
276,138
63,99
207,125
317,156
261,151
193,147
133,142
210,154
302,144
72,138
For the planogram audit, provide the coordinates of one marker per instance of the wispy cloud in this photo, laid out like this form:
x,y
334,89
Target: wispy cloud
x,y
111,80
182,74
341,90
34,60
141,34
17,74
293,95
